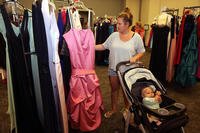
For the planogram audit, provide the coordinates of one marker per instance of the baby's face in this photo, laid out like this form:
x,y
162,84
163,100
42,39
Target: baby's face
x,y
148,92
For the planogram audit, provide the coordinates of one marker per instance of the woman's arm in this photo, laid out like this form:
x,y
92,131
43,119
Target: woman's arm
x,y
99,47
136,58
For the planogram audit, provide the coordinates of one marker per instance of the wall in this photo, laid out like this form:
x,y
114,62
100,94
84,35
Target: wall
x,y
150,10
155,9
27,3
145,11
134,7
179,4
102,7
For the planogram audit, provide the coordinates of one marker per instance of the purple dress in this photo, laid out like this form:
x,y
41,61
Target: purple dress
x,y
84,99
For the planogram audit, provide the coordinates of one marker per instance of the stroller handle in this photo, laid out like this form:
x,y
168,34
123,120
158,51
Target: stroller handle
x,y
128,63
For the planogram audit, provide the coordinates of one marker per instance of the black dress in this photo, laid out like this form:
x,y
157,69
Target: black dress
x,y
158,60
2,52
24,99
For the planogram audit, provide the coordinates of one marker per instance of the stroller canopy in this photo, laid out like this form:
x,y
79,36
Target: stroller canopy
x,y
133,75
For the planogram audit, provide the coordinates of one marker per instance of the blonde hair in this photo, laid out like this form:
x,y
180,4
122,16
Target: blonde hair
x,y
127,16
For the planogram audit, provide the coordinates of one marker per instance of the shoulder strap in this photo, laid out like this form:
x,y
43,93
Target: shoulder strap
x,y
89,16
133,34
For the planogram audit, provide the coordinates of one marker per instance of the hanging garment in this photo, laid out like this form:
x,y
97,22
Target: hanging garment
x,y
75,19
32,62
65,57
52,34
84,99
49,108
186,70
11,106
61,29
64,16
2,52
164,19
158,60
24,100
198,34
150,39
188,28
2,58
179,41
171,55
101,35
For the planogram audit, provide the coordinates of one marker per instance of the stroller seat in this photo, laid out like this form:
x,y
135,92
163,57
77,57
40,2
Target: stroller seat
x,y
168,107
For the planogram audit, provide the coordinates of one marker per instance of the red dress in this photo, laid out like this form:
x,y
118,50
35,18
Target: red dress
x,y
198,34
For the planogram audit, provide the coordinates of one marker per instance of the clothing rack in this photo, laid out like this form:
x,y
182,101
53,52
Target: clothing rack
x,y
105,18
172,10
14,8
190,7
15,2
63,3
81,5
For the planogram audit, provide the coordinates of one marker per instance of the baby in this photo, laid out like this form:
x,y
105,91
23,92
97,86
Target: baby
x,y
152,100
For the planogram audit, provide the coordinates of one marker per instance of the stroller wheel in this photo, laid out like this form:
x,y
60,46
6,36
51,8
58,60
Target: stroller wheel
x,y
134,129
131,128
178,130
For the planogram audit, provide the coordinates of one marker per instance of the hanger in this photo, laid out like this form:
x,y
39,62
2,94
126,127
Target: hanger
x,y
106,19
52,6
80,5
171,11
15,10
190,10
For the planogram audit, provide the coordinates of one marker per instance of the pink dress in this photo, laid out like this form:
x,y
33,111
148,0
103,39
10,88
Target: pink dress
x,y
84,99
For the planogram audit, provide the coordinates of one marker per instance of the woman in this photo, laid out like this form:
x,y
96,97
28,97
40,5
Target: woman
x,y
124,45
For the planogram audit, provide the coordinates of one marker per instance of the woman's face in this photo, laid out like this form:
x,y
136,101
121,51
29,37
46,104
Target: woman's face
x,y
122,26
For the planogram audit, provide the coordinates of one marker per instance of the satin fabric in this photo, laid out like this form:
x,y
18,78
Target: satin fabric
x,y
40,42
186,70
52,34
84,99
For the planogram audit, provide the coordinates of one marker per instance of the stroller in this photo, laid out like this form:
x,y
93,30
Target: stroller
x,y
133,78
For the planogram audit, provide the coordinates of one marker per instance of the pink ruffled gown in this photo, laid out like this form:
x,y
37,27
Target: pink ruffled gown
x,y
84,99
